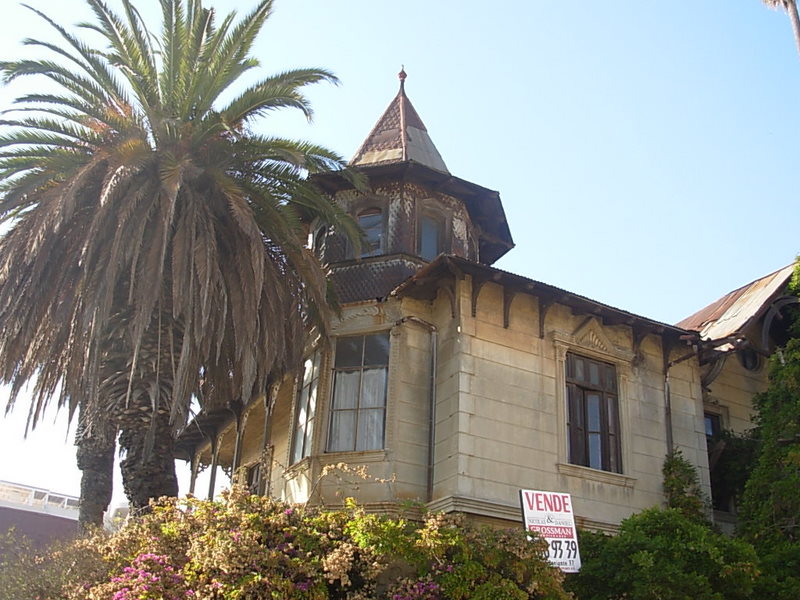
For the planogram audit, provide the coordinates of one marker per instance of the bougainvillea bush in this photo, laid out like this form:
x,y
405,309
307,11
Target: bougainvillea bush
x,y
250,547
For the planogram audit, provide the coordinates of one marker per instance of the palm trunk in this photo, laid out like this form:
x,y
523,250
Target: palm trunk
x,y
148,469
95,454
791,9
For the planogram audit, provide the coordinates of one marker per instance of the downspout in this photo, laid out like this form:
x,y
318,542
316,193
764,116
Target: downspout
x,y
668,408
431,399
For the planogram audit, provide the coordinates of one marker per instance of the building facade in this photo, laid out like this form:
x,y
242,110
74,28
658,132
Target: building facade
x,y
452,383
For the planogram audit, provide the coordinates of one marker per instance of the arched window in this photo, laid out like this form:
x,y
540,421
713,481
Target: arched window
x,y
431,236
371,222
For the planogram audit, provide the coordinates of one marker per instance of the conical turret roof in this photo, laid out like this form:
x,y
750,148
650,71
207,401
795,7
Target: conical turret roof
x,y
399,136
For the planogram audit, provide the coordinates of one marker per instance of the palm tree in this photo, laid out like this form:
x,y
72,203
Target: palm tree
x,y
156,241
790,6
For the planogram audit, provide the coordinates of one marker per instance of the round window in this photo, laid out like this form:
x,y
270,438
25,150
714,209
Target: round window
x,y
750,359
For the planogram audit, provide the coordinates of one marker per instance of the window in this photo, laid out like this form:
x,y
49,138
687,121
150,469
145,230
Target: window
x,y
305,409
431,236
593,414
749,359
253,477
713,426
358,409
371,221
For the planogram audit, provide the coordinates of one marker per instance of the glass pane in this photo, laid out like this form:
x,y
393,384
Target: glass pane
x,y
430,234
342,438
376,351
594,373
370,429
611,379
712,424
297,445
595,452
308,371
312,400
372,224
593,412
315,365
349,351
579,374
373,388
309,434
346,389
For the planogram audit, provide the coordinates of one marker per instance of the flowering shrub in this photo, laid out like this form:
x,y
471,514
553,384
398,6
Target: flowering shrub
x,y
251,547
151,577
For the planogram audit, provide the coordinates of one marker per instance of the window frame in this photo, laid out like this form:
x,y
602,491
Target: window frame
x,y
441,233
310,416
590,340
358,408
380,249
594,446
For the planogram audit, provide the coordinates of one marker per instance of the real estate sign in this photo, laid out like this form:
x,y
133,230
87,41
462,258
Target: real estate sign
x,y
550,515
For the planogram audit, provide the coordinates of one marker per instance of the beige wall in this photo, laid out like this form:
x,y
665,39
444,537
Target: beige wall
x,y
500,412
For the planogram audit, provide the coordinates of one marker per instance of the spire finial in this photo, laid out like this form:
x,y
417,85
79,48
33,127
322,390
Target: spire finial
x,y
402,76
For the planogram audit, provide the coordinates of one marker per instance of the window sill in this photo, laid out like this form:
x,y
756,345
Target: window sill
x,y
301,466
354,456
596,475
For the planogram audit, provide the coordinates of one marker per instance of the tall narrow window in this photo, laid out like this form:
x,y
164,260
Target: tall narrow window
x,y
371,222
431,236
306,408
358,410
593,427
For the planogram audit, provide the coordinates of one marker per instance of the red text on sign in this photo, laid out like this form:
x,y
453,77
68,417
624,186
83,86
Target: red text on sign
x,y
548,502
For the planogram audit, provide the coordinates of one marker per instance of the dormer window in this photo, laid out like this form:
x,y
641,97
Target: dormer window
x,y
431,236
371,222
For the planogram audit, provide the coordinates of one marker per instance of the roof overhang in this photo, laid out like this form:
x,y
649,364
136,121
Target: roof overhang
x,y
424,285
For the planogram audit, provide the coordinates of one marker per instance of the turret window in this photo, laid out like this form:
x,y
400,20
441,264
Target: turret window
x,y
371,222
431,236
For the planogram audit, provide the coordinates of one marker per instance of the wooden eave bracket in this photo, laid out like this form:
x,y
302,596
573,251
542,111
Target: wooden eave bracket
x,y
639,334
508,298
544,306
478,282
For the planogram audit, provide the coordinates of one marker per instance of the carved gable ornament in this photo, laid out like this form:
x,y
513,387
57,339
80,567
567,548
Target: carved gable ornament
x,y
590,335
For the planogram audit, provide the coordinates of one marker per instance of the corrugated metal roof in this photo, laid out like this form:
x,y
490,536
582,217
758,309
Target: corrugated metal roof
x,y
399,135
736,310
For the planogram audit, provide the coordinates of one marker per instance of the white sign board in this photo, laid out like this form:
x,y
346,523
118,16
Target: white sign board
x,y
550,515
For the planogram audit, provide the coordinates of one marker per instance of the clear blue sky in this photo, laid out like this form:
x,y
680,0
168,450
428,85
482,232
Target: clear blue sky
x,y
645,152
